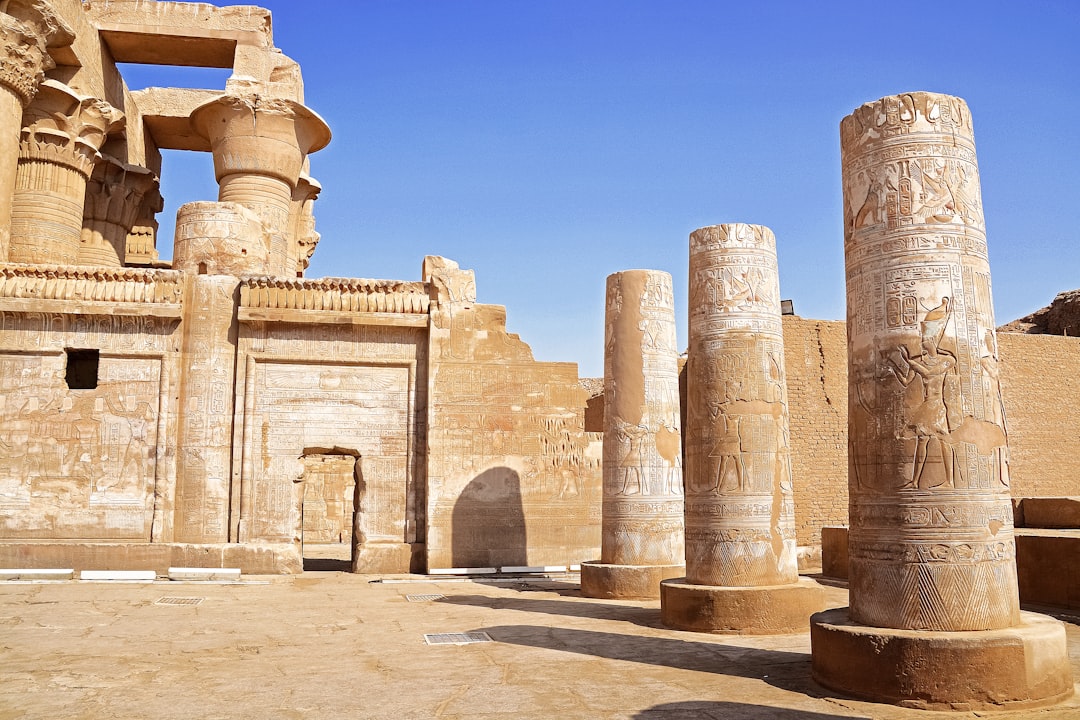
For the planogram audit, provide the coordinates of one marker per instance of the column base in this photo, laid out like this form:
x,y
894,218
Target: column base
x,y
765,610
1017,667
625,582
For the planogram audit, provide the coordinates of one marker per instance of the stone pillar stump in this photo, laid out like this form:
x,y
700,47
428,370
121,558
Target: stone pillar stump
x,y
741,565
642,524
934,618
259,146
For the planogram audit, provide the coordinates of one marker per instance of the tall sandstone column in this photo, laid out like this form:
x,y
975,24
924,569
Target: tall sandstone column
x,y
741,565
935,616
642,522
62,132
22,63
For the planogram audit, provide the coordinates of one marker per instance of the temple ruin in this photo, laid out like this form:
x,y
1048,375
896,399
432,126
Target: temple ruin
x,y
224,410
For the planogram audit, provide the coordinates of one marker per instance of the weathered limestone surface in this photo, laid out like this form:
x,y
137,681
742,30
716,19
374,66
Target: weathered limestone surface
x,y
931,554
740,528
642,536
511,481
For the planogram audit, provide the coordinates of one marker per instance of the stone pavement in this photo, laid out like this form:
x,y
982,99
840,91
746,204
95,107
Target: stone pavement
x,y
337,645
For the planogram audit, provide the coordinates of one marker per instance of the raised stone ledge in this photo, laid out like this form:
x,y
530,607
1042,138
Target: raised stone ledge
x,y
334,295
26,287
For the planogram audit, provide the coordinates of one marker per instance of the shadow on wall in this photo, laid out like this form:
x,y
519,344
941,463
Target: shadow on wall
x,y
489,522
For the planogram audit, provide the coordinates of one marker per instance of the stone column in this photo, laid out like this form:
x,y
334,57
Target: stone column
x,y
22,64
259,146
140,248
61,134
642,522
741,566
114,197
934,617
303,238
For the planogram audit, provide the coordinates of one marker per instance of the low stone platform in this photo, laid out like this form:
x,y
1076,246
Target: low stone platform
x,y
766,610
1017,667
626,582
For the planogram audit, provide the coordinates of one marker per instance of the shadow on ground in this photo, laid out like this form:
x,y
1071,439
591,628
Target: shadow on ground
x,y
730,710
596,609
779,668
327,565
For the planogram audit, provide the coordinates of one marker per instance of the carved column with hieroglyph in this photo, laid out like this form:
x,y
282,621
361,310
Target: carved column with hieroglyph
x,y
741,565
642,521
931,553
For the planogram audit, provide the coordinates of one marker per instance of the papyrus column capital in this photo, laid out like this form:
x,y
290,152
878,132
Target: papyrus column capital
x,y
65,128
250,134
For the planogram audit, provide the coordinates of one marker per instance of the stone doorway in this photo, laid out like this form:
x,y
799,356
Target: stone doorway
x,y
329,490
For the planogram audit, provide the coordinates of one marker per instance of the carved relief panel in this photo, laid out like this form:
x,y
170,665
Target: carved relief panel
x,y
931,526
739,510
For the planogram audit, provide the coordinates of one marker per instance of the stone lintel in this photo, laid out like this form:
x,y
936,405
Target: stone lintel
x,y
331,317
1022,666
760,610
626,582
179,33
166,114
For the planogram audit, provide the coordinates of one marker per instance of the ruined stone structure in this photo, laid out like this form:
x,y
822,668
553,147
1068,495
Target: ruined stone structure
x,y
642,538
741,567
931,553
226,410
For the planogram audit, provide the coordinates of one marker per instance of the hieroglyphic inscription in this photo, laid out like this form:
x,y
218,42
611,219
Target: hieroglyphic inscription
x,y
928,450
642,429
739,516
77,464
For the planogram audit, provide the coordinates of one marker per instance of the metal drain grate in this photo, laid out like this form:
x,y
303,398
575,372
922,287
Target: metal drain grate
x,y
179,601
456,638
424,598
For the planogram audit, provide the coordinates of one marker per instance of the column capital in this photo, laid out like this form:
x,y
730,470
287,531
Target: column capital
x,y
251,134
115,191
23,59
63,127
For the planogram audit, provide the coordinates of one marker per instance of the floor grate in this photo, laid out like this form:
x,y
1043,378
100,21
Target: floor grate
x,y
179,601
424,598
456,638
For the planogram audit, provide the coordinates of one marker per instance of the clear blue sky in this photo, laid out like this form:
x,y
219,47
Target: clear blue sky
x,y
548,144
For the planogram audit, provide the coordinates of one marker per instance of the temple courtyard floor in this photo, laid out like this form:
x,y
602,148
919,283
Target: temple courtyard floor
x,y
335,645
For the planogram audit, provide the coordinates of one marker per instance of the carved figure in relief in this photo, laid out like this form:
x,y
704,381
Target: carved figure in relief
x,y
632,463
930,419
727,451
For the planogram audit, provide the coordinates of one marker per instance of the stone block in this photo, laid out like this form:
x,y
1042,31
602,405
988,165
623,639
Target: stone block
x,y
37,574
1022,666
626,582
834,552
1048,568
203,574
1049,512
119,575
760,610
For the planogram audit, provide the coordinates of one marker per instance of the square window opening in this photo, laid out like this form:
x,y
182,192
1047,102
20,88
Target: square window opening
x,y
82,369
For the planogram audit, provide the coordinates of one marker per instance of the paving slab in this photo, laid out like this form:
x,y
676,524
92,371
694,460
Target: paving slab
x,y
337,645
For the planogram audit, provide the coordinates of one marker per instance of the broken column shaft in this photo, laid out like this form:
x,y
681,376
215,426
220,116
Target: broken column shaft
x,y
642,535
741,565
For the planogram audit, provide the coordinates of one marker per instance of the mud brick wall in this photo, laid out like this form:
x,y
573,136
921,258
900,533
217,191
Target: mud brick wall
x,y
1040,379
815,353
